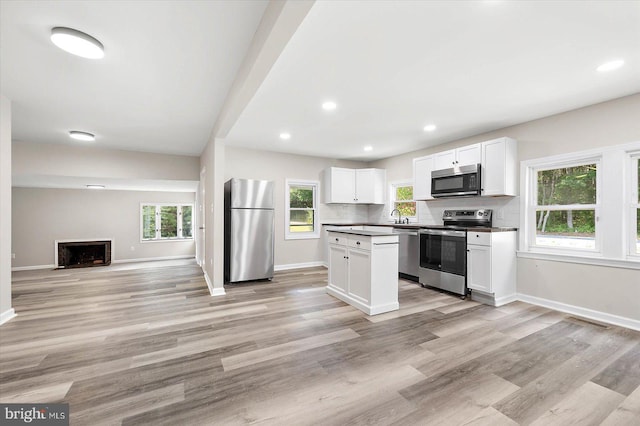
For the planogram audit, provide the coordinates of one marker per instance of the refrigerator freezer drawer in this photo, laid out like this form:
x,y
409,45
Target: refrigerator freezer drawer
x,y
251,245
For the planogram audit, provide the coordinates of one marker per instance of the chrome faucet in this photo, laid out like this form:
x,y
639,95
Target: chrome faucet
x,y
399,219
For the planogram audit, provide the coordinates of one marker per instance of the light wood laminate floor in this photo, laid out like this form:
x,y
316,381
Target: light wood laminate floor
x,y
150,346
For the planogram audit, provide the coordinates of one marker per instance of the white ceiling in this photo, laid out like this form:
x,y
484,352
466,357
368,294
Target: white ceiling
x,y
466,66
167,69
392,67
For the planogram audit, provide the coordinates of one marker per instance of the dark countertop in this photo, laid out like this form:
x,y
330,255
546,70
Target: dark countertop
x,y
422,226
365,233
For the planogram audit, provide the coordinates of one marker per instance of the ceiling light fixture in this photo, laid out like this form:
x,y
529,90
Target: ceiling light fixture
x,y
610,66
77,43
368,148
429,128
95,186
82,136
285,136
329,106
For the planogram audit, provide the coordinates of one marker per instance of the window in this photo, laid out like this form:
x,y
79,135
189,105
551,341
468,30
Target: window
x,y
566,206
583,207
301,214
634,247
402,200
166,221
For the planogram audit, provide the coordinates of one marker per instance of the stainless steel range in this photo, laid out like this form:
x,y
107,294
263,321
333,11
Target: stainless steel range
x,y
443,249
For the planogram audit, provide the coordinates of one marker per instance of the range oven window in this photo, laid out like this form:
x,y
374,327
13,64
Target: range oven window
x,y
444,251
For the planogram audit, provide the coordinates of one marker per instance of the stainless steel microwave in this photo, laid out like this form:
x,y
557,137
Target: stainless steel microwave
x,y
463,181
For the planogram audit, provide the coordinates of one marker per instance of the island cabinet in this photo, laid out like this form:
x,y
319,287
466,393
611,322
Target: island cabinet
x,y
491,266
363,270
354,186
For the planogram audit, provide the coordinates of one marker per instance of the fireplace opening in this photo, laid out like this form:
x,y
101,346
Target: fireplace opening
x,y
83,254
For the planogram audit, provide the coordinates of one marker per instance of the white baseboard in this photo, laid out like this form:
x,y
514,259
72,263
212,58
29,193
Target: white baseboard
x,y
153,259
298,266
212,290
583,312
32,268
7,315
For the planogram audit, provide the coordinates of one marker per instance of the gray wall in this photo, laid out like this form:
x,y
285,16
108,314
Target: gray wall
x,y
5,207
252,164
41,216
615,291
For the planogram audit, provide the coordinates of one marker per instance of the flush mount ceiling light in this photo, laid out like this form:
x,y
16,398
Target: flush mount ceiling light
x,y
329,106
610,66
368,148
77,43
285,136
429,128
95,186
82,136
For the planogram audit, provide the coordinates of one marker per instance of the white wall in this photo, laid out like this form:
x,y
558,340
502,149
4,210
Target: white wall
x,y
92,161
612,291
253,164
41,216
6,311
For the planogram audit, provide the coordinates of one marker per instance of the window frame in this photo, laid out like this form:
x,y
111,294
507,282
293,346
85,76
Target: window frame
x,y
158,234
392,199
315,234
633,203
533,207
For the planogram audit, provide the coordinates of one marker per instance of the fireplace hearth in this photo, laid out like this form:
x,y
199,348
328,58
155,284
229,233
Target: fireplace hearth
x,y
84,254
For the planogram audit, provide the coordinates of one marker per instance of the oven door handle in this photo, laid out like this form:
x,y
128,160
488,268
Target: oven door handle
x,y
443,232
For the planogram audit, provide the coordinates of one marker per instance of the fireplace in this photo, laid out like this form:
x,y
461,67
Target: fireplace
x,y
83,254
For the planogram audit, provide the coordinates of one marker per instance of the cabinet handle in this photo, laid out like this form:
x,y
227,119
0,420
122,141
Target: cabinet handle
x,y
337,239
358,242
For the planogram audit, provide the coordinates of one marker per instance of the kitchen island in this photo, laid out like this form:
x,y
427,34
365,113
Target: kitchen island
x,y
363,269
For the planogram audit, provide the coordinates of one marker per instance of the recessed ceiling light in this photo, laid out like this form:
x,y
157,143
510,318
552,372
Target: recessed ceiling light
x,y
368,148
82,136
329,106
285,136
610,66
77,43
95,186
429,128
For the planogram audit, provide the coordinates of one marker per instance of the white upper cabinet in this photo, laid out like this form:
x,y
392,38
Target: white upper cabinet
x,y
422,168
354,186
463,156
499,167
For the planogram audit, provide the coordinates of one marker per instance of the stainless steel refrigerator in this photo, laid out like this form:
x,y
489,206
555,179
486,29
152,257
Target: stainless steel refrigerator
x,y
249,230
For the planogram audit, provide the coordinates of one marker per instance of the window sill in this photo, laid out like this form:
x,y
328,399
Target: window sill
x,y
167,240
305,236
586,260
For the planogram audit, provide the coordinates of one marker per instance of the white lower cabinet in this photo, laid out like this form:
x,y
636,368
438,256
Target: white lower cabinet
x,y
363,271
491,267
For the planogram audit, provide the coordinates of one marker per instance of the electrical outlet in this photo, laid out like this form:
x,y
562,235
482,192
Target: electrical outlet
x,y
500,213
13,255
133,248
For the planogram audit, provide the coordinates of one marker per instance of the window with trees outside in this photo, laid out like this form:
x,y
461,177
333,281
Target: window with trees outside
x,y
159,222
635,206
566,206
402,200
301,209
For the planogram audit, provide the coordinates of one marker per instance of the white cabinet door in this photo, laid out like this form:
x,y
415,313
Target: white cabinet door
x,y
360,274
499,167
468,155
479,268
343,185
444,159
338,273
365,183
422,168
